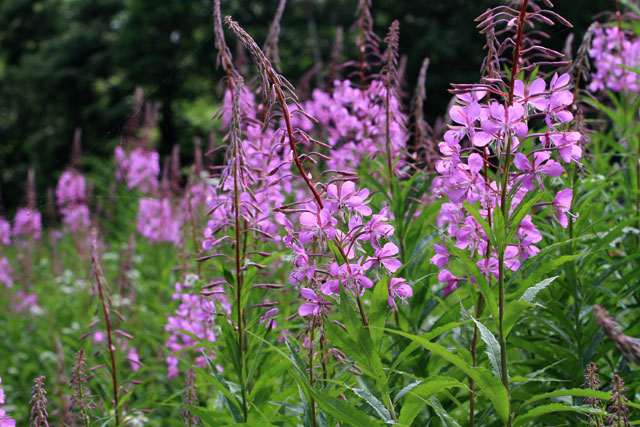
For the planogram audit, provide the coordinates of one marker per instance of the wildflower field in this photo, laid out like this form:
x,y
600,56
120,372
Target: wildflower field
x,y
334,259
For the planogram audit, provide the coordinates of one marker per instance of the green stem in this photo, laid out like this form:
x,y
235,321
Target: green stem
x,y
311,379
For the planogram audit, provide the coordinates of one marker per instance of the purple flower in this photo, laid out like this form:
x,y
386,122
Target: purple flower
x,y
532,95
194,314
501,122
452,281
533,172
387,256
139,169
441,258
399,288
269,318
562,204
5,232
377,228
303,270
488,266
612,50
313,304
346,197
27,222
70,189
567,145
318,224
350,276
157,222
5,272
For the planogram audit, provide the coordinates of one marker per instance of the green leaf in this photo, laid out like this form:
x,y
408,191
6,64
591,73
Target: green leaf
x,y
554,407
373,402
444,416
331,405
371,361
207,416
580,392
378,313
499,230
420,392
427,336
492,347
530,294
230,402
486,382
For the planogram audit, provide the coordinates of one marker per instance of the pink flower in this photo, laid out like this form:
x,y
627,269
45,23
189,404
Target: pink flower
x,y
303,270
157,221
465,117
533,95
318,224
533,172
501,122
346,197
376,228
5,272
312,305
27,222
452,281
387,256
567,144
5,232
441,258
350,276
562,204
134,359
488,266
269,318
399,288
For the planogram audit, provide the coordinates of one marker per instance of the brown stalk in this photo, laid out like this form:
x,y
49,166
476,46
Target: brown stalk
x,y
97,272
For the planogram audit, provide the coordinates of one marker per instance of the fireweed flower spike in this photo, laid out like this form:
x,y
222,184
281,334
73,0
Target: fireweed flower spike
x,y
71,194
318,226
627,346
38,404
618,407
318,220
491,121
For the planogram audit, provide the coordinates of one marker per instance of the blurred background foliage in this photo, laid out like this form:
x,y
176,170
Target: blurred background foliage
x,y
69,63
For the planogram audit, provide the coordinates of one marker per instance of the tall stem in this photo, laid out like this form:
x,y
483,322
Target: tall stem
x,y
236,214
105,310
388,131
311,378
503,199
638,184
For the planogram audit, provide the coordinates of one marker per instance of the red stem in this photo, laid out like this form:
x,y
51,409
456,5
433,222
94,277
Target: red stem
x,y
105,309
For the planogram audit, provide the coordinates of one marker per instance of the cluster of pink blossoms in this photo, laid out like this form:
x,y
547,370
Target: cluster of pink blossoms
x,y
72,202
27,222
5,239
6,272
610,50
5,232
343,220
486,126
195,314
139,169
263,181
157,221
5,420
353,122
